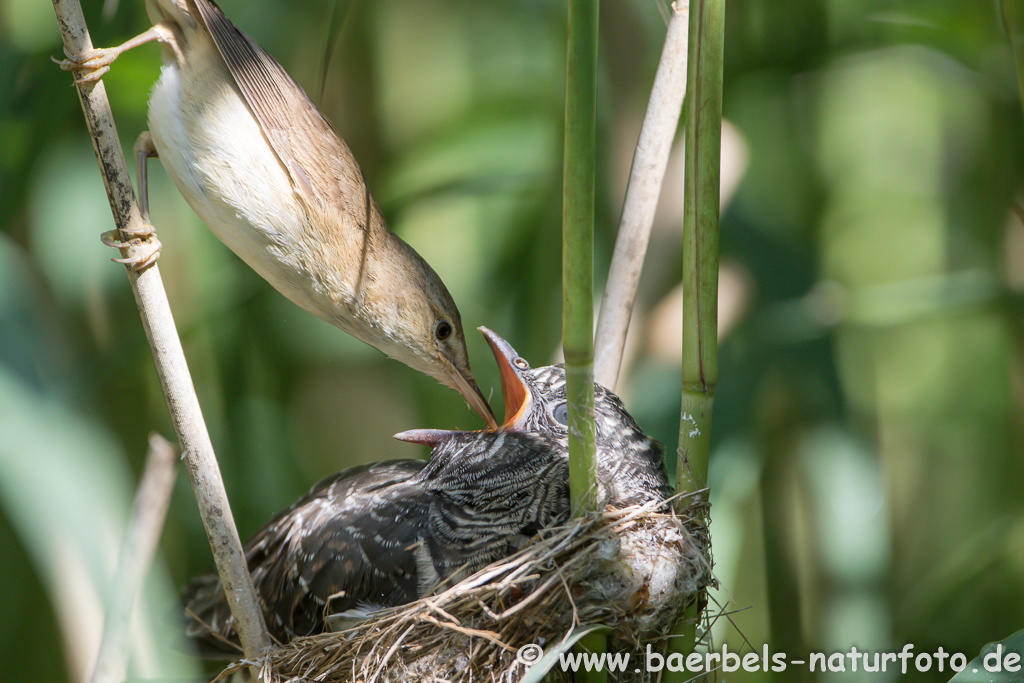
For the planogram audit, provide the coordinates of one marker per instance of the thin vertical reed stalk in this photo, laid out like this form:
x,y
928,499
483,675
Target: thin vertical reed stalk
x,y
700,266
578,268
141,539
650,158
168,356
578,248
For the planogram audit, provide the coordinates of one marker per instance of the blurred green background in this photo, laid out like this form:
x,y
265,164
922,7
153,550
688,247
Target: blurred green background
x,y
867,470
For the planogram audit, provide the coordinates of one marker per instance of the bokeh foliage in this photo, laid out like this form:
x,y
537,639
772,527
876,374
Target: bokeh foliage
x,y
868,443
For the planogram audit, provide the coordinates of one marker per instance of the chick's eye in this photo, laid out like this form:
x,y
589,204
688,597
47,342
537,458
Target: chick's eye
x,y
442,330
561,414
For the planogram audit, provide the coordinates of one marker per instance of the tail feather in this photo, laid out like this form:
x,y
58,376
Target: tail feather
x,y
208,620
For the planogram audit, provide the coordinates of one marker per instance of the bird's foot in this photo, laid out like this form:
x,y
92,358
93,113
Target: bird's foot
x,y
96,62
145,241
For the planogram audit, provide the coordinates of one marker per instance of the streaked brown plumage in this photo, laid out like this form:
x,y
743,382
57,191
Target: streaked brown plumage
x,y
387,533
630,464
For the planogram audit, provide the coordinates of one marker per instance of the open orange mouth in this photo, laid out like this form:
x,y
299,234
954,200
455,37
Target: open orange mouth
x,y
514,390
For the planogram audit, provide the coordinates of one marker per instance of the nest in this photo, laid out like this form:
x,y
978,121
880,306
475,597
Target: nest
x,y
633,569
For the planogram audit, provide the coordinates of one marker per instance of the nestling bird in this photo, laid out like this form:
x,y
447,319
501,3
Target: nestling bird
x,y
630,464
269,175
385,534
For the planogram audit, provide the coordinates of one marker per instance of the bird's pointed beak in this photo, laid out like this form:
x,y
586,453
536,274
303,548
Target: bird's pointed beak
x,y
425,437
513,387
466,385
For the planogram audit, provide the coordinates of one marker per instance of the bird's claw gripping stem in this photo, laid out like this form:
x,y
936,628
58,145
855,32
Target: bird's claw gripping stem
x,y
96,62
145,240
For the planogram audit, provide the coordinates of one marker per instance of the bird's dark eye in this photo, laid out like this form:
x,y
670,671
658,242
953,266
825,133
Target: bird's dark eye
x,y
442,330
561,413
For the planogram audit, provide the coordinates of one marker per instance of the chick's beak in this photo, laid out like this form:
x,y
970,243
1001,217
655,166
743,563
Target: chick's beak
x,y
513,388
425,437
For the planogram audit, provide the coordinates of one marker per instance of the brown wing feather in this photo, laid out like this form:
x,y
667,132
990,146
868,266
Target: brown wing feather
x,y
319,163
